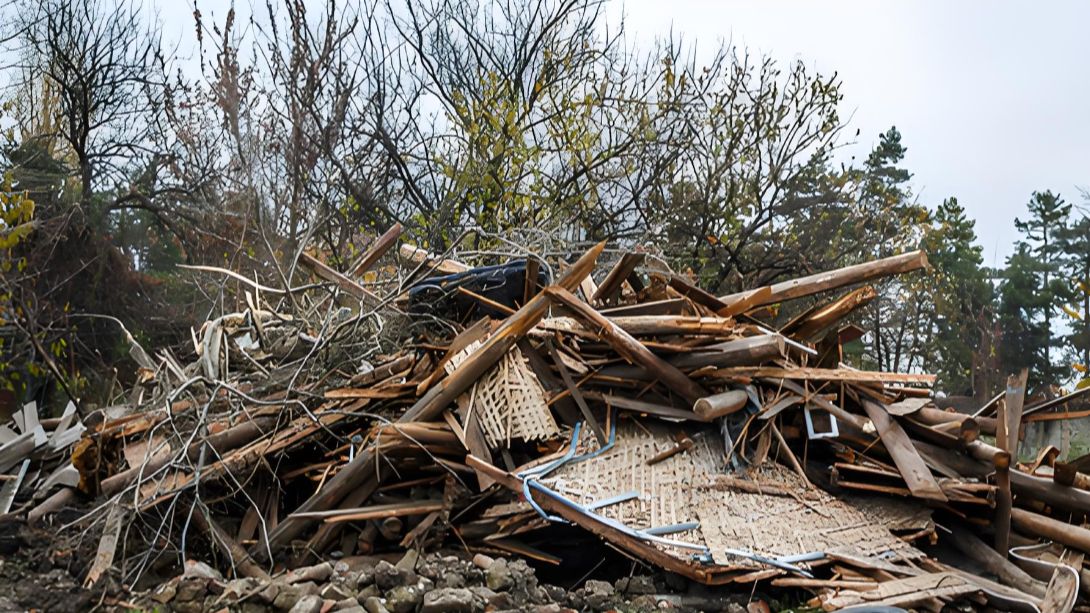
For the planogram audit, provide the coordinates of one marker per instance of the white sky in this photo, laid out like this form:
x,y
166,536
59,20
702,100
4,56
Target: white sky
x,y
991,96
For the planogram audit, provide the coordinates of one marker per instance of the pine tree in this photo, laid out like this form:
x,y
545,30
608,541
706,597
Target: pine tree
x,y
1074,242
959,296
1048,218
1025,336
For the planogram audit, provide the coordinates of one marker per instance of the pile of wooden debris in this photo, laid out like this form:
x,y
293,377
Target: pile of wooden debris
x,y
675,425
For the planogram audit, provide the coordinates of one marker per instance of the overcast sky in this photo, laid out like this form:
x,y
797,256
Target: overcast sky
x,y
990,96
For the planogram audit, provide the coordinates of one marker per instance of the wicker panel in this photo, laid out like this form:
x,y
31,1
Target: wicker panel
x,y
509,401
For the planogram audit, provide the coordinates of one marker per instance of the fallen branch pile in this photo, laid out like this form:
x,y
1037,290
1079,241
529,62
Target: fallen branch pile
x,y
682,428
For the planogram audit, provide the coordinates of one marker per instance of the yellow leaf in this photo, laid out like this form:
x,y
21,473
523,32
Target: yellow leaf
x,y
1072,312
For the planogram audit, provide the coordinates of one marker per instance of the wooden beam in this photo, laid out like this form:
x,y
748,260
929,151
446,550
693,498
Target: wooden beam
x,y
824,281
911,466
348,285
1006,438
576,395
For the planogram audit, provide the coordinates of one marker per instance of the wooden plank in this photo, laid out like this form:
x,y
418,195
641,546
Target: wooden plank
x,y
911,466
744,302
378,511
1006,438
822,319
824,374
824,281
628,347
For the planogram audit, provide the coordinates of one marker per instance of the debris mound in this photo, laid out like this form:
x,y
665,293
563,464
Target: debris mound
x,y
425,404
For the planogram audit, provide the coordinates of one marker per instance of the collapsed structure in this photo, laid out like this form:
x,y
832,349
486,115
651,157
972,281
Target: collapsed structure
x,y
675,425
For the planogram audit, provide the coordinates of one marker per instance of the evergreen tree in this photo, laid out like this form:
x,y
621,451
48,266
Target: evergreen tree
x,y
1074,242
960,296
1048,215
1025,336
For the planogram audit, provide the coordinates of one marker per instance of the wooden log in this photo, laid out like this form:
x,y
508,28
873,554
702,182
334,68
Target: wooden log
x,y
240,559
1062,497
1042,526
359,475
669,306
641,406
719,405
996,564
378,248
824,281
937,417
911,466
611,285
628,347
230,439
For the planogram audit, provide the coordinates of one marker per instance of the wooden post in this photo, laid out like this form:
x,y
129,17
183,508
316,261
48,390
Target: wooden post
x,y
1006,437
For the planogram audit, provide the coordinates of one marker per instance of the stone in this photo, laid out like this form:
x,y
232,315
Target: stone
x,y
388,576
644,603
371,591
449,600
404,598
734,607
639,584
452,579
366,577
163,594
409,560
335,592
354,609
287,596
345,603
250,606
311,603
374,604
482,561
598,594
190,589
498,576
